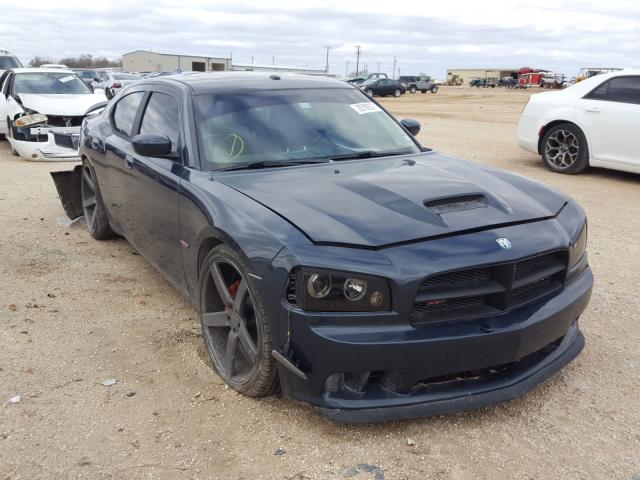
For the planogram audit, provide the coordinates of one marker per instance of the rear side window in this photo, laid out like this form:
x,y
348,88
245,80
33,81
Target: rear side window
x,y
125,113
619,89
161,117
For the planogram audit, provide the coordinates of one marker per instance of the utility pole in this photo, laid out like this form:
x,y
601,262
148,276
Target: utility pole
x,y
273,60
326,68
357,60
346,73
251,59
394,66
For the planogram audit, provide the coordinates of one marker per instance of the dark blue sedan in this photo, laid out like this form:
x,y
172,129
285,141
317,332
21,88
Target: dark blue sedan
x,y
329,254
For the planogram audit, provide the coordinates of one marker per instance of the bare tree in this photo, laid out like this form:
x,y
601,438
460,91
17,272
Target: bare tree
x,y
83,61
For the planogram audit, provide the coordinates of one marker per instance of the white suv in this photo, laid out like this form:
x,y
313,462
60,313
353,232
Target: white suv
x,y
8,61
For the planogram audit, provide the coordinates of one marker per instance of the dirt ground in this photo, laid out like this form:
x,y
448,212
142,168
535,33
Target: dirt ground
x,y
75,312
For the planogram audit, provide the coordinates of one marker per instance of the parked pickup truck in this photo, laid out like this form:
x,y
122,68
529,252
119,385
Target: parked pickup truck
x,y
413,83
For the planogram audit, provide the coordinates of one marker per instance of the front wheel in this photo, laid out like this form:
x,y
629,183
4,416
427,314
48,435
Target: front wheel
x,y
434,89
95,214
369,92
413,89
397,92
235,326
564,149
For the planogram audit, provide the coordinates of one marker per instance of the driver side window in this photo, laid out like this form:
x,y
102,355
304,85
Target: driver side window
x,y
162,117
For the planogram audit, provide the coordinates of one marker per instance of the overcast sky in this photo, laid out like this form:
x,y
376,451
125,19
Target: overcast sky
x,y
425,36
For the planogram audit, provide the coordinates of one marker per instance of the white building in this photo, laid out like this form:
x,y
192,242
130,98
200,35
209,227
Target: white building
x,y
147,61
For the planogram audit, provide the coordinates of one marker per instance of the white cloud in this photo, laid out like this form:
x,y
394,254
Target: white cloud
x,y
424,36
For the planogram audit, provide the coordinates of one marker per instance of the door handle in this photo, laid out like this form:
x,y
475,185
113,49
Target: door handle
x,y
592,110
128,161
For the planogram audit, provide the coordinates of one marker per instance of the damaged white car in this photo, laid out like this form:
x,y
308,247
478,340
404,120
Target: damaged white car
x,y
41,112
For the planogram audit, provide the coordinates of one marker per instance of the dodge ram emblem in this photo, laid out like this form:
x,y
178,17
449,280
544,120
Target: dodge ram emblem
x,y
504,242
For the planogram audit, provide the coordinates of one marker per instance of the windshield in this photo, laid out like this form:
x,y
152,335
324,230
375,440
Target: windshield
x,y
49,82
370,81
125,76
86,73
294,125
9,62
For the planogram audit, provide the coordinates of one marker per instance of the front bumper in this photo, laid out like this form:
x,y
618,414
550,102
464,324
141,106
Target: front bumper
x,y
390,370
61,146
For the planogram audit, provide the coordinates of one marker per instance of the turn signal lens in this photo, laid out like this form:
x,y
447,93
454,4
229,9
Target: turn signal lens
x,y
32,119
318,285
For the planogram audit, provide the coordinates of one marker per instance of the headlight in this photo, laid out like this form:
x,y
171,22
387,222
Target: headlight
x,y
578,247
333,291
31,119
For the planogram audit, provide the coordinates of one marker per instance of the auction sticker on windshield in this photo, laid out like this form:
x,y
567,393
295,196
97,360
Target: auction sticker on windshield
x,y
66,79
365,107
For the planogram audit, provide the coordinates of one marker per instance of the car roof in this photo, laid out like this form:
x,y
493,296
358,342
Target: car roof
x,y
585,86
40,70
242,81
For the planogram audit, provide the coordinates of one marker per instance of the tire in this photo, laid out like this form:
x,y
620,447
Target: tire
x,y
95,214
108,93
397,92
564,149
234,323
413,89
369,92
434,90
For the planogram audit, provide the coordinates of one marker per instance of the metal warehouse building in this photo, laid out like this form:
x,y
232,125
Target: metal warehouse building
x,y
466,74
147,61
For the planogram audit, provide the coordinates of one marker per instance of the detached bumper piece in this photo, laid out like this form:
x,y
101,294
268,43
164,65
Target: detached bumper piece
x,y
453,393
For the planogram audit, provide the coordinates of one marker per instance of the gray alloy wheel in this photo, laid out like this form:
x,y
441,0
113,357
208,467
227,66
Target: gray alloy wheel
x,y
234,327
369,92
564,149
397,92
95,215
412,89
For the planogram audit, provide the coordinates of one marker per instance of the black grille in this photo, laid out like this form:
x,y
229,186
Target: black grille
x,y
454,204
66,140
60,121
490,289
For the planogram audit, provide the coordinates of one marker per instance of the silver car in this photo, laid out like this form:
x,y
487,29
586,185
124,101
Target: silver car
x,y
112,82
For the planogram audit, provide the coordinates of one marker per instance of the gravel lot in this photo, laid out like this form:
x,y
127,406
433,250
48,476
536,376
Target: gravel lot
x,y
75,312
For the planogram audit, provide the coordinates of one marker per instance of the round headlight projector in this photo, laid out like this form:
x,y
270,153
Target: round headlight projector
x,y
354,289
318,286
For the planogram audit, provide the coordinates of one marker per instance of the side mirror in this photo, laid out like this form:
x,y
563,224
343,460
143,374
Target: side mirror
x,y
96,79
412,125
151,145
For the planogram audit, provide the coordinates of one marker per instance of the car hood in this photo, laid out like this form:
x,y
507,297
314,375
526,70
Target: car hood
x,y
379,202
71,105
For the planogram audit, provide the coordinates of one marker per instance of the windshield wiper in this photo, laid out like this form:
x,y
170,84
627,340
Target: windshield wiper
x,y
268,164
365,154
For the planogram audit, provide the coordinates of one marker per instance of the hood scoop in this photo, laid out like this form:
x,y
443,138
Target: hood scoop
x,y
456,203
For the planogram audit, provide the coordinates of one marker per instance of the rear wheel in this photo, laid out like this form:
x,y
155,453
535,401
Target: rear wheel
x,y
369,92
234,325
95,215
564,149
397,92
434,89
412,89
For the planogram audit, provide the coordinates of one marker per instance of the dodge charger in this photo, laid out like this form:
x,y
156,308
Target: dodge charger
x,y
331,256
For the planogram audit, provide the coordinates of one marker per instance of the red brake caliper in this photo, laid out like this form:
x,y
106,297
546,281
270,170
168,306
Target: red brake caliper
x,y
233,288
